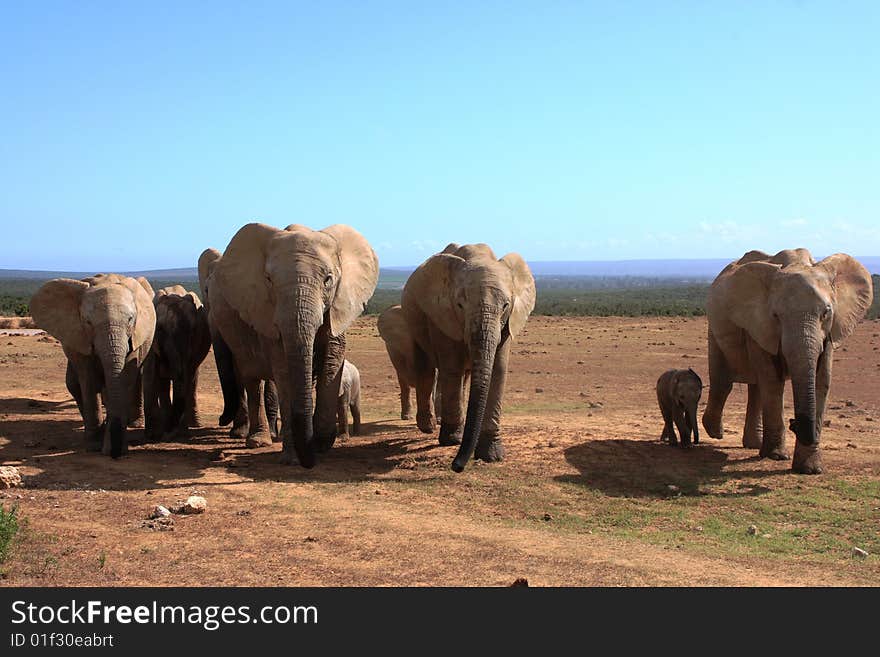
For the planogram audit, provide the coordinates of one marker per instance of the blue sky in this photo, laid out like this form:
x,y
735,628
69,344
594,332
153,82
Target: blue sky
x,y
133,136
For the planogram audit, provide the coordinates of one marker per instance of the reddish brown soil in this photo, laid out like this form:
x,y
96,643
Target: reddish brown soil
x,y
583,498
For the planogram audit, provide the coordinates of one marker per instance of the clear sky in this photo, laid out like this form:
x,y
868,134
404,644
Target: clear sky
x,y
134,135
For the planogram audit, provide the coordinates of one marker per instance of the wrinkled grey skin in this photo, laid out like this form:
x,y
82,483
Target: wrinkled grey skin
x,y
774,318
105,324
242,367
298,289
181,342
349,399
463,307
678,393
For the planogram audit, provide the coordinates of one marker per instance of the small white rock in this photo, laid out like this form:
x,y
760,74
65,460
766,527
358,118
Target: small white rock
x,y
159,511
859,552
753,530
194,504
9,477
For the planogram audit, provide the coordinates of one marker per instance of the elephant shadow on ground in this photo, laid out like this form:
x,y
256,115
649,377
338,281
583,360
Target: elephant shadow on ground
x,y
648,468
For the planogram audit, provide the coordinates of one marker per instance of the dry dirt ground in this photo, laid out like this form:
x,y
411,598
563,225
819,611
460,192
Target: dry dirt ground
x,y
587,495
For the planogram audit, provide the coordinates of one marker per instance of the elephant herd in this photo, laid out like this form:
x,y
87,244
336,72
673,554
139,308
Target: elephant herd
x,y
275,306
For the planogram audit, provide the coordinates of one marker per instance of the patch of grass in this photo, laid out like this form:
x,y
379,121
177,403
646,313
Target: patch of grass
x,y
9,526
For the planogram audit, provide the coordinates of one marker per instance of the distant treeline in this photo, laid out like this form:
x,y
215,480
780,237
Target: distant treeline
x,y
579,296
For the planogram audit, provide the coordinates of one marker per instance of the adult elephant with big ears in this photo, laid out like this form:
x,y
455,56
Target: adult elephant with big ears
x,y
463,306
300,289
106,325
773,318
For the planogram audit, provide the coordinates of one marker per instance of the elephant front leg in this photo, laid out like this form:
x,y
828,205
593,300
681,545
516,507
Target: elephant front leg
x,y
753,432
489,446
89,408
452,422
258,434
772,388
426,379
327,393
270,401
721,384
807,458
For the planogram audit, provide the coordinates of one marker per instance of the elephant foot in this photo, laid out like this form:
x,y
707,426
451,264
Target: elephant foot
x,y
137,423
684,444
239,431
324,443
288,457
258,439
807,460
775,453
225,419
342,437
426,423
406,416
713,425
489,449
449,435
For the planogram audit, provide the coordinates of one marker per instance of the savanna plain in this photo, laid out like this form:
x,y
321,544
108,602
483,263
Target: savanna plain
x,y
586,496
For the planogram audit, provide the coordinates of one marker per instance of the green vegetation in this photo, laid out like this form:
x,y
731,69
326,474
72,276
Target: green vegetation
x,y
591,296
9,527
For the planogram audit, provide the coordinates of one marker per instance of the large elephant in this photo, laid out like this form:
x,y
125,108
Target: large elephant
x,y
181,342
299,289
241,367
463,306
105,324
400,347
773,318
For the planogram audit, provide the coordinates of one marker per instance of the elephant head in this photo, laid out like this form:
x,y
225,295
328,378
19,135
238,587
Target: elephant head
x,y
475,299
799,310
108,316
289,285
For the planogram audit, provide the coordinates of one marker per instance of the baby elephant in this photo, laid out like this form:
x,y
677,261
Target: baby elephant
x,y
349,398
678,392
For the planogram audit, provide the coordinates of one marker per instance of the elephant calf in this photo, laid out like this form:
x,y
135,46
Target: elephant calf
x,y
181,343
678,393
349,398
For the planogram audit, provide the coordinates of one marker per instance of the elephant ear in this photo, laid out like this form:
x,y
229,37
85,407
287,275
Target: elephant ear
x,y
145,323
146,285
55,308
432,288
240,277
853,293
523,292
746,298
359,274
207,262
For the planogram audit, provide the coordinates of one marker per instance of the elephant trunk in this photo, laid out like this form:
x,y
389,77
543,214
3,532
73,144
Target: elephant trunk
x,y
112,351
300,324
299,368
483,348
803,384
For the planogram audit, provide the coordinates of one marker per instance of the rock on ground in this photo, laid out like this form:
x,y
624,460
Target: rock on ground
x,y
9,477
194,504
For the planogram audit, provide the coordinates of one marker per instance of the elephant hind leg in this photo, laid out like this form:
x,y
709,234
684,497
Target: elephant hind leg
x,y
342,415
